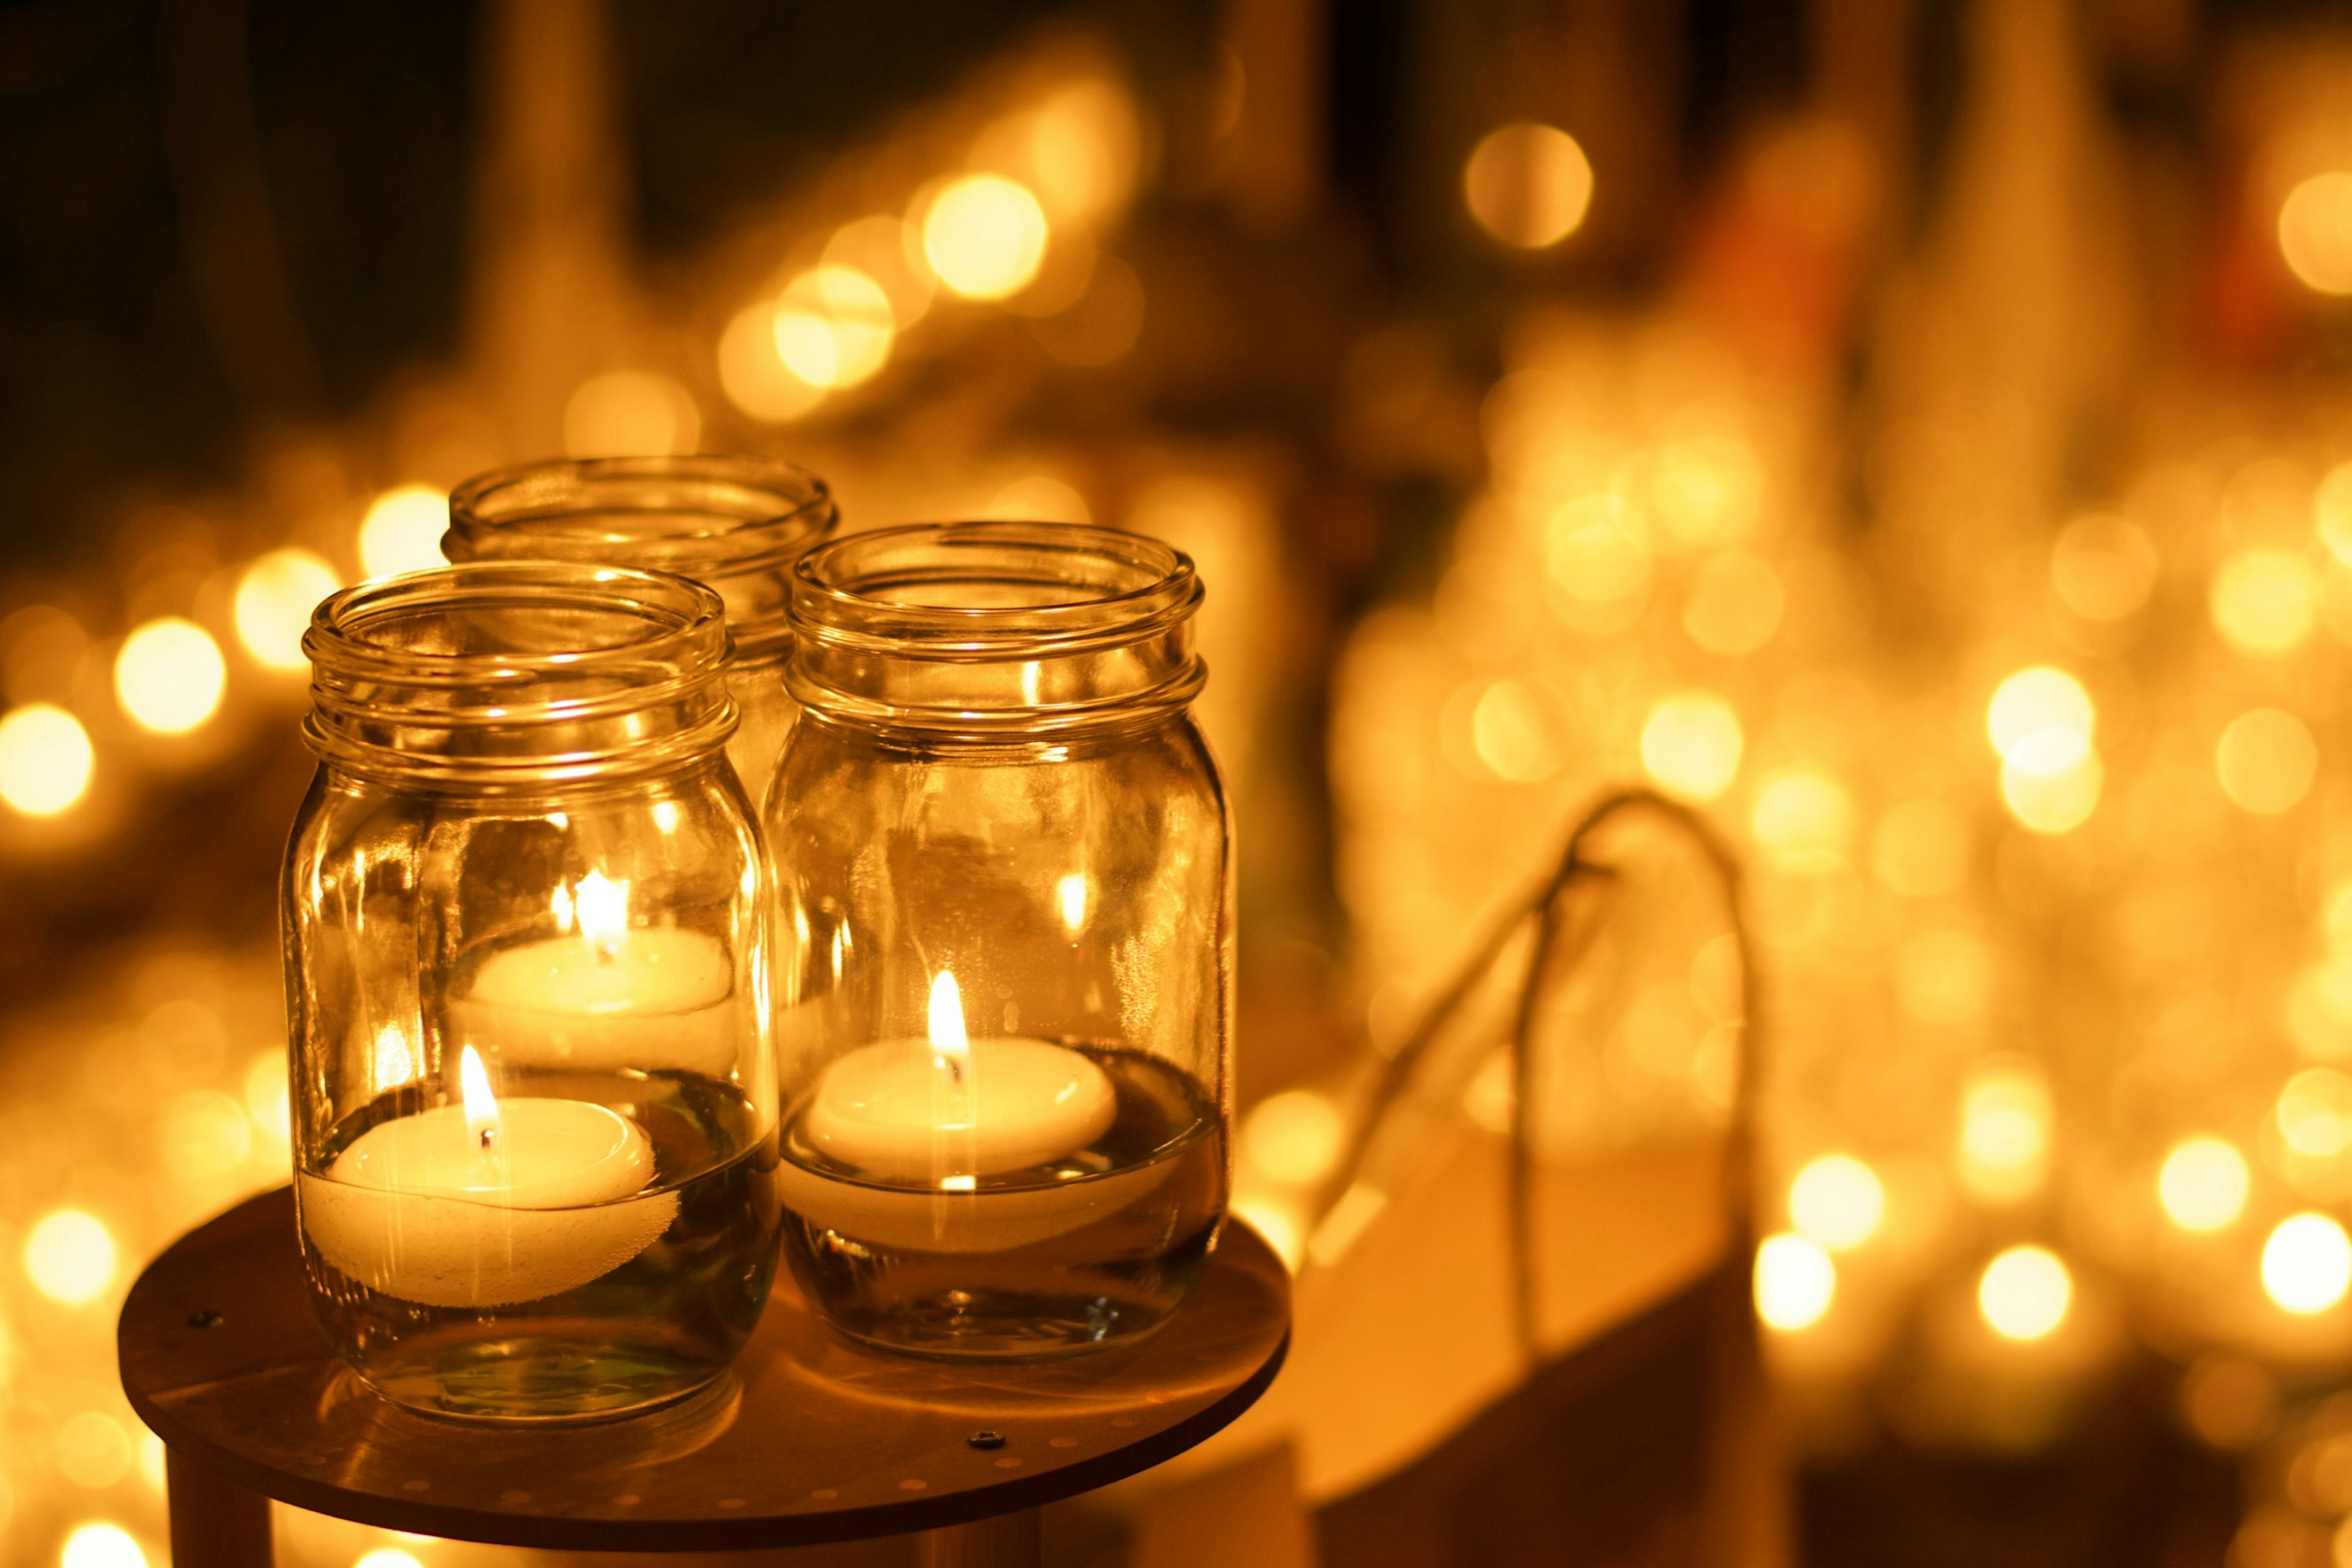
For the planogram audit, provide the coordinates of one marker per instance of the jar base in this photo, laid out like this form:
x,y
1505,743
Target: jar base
x,y
535,1379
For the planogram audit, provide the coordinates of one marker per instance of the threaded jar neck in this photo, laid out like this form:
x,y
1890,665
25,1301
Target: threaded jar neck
x,y
994,631
734,524
517,675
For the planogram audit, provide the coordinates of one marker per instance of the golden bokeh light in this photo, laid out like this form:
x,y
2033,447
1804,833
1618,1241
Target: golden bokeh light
x,y
1518,731
2265,602
2266,761
2313,1113
2319,1010
1082,147
1795,1281
2102,567
1943,976
101,1545
45,760
2335,919
1596,551
2202,1183
1706,490
1039,497
388,1557
2051,781
69,1255
1733,605
2005,1128
2306,1263
1691,745
1800,817
2331,511
2035,702
274,597
754,375
1838,1201
1278,1222
169,676
834,327
1529,185
984,236
403,530
2025,1292
630,413
1920,849
2314,232
92,1451
884,248
1294,1136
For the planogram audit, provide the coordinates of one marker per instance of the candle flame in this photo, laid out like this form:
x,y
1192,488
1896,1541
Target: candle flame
x,y
949,1041
481,1105
601,905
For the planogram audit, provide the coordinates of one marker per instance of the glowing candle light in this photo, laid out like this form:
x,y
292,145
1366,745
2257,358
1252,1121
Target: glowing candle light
x,y
487,1201
2025,1293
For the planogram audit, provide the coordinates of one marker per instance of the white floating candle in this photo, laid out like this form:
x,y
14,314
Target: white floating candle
x,y
603,998
487,1203
951,1109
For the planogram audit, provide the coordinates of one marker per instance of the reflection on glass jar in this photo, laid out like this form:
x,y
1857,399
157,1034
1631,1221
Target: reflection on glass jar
x,y
734,524
535,1100
1006,936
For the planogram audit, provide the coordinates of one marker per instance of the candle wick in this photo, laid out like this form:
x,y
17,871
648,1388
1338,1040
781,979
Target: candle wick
x,y
489,1133
954,1067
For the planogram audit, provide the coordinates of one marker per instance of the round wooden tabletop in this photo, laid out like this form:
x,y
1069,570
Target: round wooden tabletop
x,y
813,1437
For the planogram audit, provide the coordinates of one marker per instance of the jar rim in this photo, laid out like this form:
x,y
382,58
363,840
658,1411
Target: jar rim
x,y
1059,588
389,695
723,520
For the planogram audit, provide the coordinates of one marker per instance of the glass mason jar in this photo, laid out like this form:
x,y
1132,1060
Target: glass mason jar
x,y
734,524
1005,964
524,918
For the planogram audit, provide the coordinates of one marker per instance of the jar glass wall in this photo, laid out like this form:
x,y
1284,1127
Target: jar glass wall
x,y
1003,864
734,524
523,914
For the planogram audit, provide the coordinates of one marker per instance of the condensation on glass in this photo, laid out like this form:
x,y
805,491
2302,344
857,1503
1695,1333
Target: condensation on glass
x,y
1005,939
524,916
734,524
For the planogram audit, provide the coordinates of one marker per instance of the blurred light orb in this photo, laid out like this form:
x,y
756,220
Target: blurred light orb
x,y
2039,701
204,1134
1518,731
885,249
403,530
1529,185
101,1545
1082,147
2313,1113
1801,816
834,327
1040,498
2004,1144
2102,567
2051,781
2314,232
2319,1010
1596,549
169,676
2265,602
269,1097
2331,511
69,1255
1837,1201
2025,1293
630,413
984,237
1277,1224
2338,919
1734,603
93,1450
752,372
388,1557
2204,1184
45,760
1920,849
1796,1280
1706,490
274,597
1691,745
1943,976
1294,1136
2266,761
2307,1263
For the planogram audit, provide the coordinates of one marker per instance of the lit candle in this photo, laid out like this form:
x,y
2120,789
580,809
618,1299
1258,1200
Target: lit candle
x,y
951,1109
602,997
937,1115
487,1202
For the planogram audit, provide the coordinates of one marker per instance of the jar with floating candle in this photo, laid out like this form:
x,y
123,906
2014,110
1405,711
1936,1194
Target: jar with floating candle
x,y
1005,937
524,907
734,524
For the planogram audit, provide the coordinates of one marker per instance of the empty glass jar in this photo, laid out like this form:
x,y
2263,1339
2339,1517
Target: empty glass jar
x,y
1006,940
734,524
523,914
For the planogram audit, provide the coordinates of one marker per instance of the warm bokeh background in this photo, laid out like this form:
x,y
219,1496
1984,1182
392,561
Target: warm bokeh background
x,y
1914,432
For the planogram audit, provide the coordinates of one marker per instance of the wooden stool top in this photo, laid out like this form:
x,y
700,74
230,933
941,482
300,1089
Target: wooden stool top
x,y
811,1438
